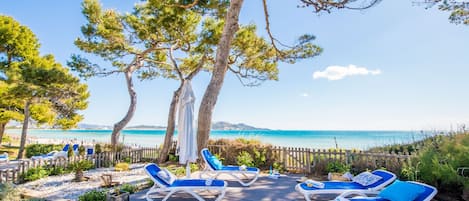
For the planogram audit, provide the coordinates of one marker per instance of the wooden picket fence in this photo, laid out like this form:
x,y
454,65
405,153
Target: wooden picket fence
x,y
104,159
308,160
293,159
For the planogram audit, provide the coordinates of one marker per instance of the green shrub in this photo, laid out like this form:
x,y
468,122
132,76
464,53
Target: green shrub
x,y
336,166
70,152
93,195
9,192
81,150
82,165
57,170
98,149
128,160
128,188
244,158
35,173
38,149
6,139
173,158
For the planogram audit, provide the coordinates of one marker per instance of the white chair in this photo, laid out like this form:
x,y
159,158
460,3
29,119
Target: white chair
x,y
338,187
185,185
214,170
426,195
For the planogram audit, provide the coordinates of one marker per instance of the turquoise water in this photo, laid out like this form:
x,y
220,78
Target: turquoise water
x,y
293,138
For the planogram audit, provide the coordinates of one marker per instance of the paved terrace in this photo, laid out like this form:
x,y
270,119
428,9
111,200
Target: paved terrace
x,y
264,189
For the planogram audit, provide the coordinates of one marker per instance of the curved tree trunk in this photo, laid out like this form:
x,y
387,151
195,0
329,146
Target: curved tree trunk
x,y
221,65
24,130
168,139
2,131
130,112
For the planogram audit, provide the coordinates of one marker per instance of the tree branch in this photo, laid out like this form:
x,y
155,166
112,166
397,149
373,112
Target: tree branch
x,y
175,65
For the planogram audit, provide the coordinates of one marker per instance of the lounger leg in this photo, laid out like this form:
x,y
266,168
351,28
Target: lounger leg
x,y
168,195
195,195
222,194
241,181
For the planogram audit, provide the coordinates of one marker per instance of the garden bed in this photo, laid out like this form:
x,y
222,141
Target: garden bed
x,y
64,188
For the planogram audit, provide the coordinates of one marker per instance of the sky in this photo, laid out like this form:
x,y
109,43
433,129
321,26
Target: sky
x,y
396,66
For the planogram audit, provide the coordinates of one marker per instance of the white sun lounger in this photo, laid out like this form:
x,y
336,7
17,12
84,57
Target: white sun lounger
x,y
427,195
184,185
234,171
338,187
4,158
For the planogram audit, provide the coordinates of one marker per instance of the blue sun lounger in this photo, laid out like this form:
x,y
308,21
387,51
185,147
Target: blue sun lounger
x,y
4,157
214,168
338,187
185,185
405,190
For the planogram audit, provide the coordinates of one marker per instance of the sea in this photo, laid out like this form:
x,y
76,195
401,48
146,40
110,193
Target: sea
x,y
315,139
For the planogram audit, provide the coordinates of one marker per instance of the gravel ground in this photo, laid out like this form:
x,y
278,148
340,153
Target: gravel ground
x,y
64,188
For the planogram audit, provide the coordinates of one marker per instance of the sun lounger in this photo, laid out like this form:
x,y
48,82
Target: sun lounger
x,y
338,187
185,185
4,158
75,149
53,154
48,156
214,170
426,193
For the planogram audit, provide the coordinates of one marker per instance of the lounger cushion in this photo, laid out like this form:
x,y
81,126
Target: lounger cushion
x,y
236,168
366,178
336,186
401,191
166,176
215,162
196,182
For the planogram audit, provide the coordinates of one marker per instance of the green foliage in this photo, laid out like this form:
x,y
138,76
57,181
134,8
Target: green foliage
x,y
437,162
35,173
70,152
127,159
6,139
173,158
38,149
82,165
93,195
337,166
128,188
81,150
98,149
149,182
9,192
244,158
57,170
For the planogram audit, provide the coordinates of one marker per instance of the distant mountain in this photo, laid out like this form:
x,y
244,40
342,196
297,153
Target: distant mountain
x,y
221,125
146,127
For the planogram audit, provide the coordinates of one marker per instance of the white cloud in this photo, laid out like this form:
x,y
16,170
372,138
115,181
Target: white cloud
x,y
340,72
304,94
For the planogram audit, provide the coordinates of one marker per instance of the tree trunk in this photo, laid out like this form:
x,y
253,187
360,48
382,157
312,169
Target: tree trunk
x,y
24,130
168,139
221,65
2,131
130,112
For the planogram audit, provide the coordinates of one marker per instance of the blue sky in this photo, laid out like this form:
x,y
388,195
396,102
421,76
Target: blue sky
x,y
407,69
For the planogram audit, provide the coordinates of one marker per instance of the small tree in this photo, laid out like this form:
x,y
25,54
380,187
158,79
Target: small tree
x,y
17,44
50,95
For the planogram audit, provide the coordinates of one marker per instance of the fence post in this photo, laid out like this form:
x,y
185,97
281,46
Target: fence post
x,y
308,160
